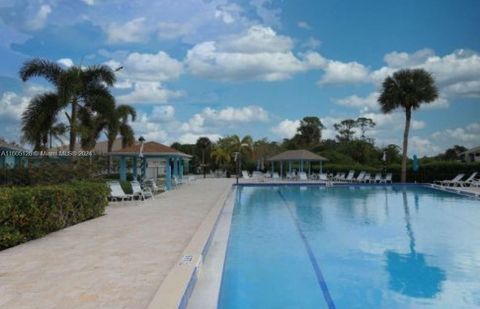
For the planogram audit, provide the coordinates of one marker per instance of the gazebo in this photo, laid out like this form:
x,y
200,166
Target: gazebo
x,y
156,155
297,156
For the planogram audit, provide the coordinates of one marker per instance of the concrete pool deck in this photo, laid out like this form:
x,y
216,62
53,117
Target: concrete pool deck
x,y
116,261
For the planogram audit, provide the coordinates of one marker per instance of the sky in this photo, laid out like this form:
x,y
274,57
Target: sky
x,y
212,68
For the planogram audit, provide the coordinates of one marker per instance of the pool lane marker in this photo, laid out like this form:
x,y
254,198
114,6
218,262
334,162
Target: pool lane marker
x,y
318,272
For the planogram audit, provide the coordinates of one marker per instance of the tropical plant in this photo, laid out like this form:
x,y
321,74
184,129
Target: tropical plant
x,y
309,133
407,89
84,90
39,121
221,156
364,124
345,130
204,145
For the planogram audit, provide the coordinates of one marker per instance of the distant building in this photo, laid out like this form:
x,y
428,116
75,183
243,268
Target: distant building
x,y
471,155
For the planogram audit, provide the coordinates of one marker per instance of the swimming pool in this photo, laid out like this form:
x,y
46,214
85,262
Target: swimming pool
x,y
352,247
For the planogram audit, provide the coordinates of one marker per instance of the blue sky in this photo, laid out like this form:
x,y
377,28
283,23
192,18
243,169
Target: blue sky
x,y
211,68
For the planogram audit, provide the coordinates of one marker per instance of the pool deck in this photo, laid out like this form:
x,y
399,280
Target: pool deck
x,y
120,260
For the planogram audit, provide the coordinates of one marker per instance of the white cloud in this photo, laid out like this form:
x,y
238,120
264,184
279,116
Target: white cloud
x,y
150,67
191,138
457,73
394,121
149,93
363,103
337,72
89,2
12,106
67,62
163,113
257,39
422,146
468,136
133,31
38,21
304,25
286,128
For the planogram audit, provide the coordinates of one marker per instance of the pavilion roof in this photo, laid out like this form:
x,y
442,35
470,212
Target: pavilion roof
x,y
297,155
151,149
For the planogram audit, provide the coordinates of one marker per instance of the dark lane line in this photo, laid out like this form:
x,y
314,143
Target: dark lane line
x,y
311,256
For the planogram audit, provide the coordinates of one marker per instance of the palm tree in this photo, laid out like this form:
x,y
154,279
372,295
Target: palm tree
x,y
203,144
39,120
76,87
407,89
221,156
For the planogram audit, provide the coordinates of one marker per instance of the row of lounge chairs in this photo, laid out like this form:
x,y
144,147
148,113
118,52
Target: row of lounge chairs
x,y
362,177
458,181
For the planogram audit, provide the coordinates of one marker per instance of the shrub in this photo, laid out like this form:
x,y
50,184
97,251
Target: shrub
x,y
31,212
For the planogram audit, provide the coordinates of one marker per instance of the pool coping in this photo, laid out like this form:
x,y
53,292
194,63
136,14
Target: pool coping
x,y
175,291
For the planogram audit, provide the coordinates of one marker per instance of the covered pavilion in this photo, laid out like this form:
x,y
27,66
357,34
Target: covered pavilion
x,y
302,157
156,155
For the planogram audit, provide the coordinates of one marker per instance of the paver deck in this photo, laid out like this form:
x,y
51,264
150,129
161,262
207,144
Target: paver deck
x,y
116,261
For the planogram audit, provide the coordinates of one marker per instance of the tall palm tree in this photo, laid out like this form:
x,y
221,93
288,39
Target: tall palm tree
x,y
118,124
407,89
76,87
39,120
203,144
221,156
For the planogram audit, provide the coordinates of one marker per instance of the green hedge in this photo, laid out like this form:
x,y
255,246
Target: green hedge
x,y
31,212
427,173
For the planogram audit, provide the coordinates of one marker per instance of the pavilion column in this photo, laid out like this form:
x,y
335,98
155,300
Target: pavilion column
x,y
301,166
321,168
309,168
281,169
168,174
175,167
273,167
123,169
186,164
290,167
180,162
135,172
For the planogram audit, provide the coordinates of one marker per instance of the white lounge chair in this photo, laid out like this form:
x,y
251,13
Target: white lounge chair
x,y
302,176
367,178
322,177
360,177
468,182
117,193
138,191
387,179
453,182
377,178
245,175
339,177
350,175
152,184
275,175
290,176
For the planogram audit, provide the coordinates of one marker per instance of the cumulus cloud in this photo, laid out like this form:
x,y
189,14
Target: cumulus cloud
x,y
151,67
363,103
468,136
163,113
229,116
286,128
457,73
66,62
149,93
131,32
312,43
191,138
38,21
337,72
172,30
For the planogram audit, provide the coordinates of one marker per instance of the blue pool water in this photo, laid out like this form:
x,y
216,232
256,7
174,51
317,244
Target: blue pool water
x,y
352,247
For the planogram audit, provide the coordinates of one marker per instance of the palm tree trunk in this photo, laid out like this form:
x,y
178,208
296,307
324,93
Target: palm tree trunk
x,y
408,116
73,125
